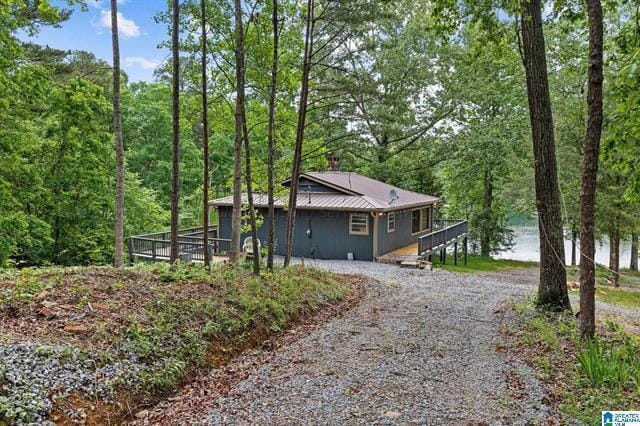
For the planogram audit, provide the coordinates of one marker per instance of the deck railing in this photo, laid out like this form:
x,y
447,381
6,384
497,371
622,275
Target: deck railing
x,y
444,233
157,246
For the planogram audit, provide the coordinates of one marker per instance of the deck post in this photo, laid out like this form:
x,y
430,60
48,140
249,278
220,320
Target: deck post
x,y
131,252
444,255
455,253
153,250
465,251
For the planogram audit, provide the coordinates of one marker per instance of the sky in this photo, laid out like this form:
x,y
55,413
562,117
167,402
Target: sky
x,y
140,35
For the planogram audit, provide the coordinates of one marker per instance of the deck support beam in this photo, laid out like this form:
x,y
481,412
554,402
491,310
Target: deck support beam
x,y
465,250
455,253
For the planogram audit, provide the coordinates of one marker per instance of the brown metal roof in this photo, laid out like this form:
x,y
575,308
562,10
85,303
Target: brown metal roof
x,y
361,194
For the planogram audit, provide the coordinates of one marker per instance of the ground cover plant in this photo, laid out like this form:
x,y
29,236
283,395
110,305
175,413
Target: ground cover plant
x,y
480,264
98,343
582,377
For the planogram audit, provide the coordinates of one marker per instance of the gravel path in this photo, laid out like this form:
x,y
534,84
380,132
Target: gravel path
x,y
628,317
33,376
420,349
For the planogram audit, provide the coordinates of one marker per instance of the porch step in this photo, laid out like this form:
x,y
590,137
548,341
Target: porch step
x,y
416,264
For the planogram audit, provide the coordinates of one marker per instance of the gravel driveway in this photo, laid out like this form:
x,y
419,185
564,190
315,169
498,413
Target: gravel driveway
x,y
420,349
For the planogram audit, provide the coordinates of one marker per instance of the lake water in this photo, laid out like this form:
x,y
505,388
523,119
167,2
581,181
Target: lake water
x,y
527,247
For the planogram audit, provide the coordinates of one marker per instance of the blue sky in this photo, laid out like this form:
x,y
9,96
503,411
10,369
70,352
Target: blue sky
x,y
140,35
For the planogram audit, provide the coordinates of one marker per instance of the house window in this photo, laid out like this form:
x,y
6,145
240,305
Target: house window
x,y
359,224
391,222
425,219
420,220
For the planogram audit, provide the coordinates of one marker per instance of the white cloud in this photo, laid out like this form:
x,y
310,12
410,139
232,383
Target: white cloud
x,y
127,27
139,61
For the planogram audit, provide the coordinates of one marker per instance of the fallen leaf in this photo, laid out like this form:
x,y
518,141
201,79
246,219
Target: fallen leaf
x,y
142,414
42,295
100,306
47,313
76,329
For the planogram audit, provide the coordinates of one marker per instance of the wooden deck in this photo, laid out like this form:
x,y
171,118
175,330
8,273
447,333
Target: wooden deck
x,y
157,246
148,256
403,254
445,233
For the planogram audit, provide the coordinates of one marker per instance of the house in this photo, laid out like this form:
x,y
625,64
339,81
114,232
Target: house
x,y
342,215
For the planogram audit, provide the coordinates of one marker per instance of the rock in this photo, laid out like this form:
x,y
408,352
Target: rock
x,y
47,313
76,329
392,414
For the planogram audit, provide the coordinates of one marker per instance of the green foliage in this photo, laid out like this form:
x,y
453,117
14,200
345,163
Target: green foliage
x,y
172,336
615,364
56,179
627,298
588,376
479,264
429,96
27,285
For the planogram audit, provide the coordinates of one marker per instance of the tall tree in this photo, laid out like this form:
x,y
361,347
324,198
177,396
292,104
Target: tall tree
x,y
236,219
241,102
273,92
552,289
205,135
175,176
590,171
633,264
250,205
118,258
300,128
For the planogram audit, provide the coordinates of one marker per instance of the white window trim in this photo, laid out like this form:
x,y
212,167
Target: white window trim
x,y
366,226
389,229
420,209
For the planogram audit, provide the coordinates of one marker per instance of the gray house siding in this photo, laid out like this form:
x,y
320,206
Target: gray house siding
x,y
389,241
330,238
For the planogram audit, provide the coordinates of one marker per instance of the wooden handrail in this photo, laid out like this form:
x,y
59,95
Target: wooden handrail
x,y
443,236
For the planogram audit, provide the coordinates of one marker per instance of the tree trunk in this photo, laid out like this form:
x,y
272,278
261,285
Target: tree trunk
x,y
614,254
552,290
236,218
590,173
252,211
271,224
485,237
302,112
205,137
175,177
633,265
574,240
118,259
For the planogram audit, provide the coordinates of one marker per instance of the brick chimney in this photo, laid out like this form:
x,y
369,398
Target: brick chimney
x,y
334,163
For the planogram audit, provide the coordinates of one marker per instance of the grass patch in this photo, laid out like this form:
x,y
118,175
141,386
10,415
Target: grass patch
x,y
628,278
616,296
583,378
174,322
480,264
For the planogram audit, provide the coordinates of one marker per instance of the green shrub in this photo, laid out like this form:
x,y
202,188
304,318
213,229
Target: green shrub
x,y
610,363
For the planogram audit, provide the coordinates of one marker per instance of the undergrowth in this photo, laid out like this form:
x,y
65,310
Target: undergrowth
x,y
585,377
173,336
176,322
